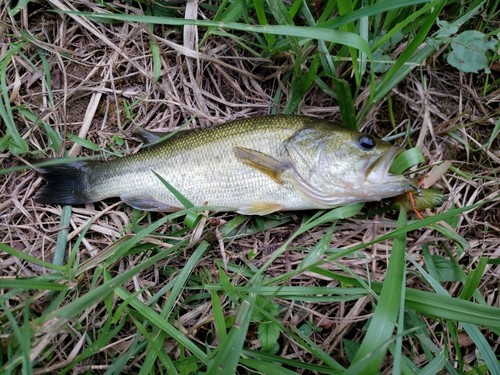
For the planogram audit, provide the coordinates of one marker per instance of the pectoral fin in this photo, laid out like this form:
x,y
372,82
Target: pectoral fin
x,y
262,162
259,208
147,203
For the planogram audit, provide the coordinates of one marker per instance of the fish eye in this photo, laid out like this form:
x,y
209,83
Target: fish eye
x,y
366,142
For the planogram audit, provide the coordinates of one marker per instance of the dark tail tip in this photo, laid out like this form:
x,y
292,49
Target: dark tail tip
x,y
65,183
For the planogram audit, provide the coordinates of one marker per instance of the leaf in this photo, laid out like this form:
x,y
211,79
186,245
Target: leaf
x,y
118,140
382,60
446,29
268,329
468,51
445,270
4,143
350,348
186,365
269,332
18,148
83,142
406,160
346,103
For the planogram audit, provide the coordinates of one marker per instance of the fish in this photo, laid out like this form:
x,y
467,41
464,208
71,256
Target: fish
x,y
252,166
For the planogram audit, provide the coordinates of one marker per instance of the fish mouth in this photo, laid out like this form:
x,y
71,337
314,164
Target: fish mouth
x,y
377,171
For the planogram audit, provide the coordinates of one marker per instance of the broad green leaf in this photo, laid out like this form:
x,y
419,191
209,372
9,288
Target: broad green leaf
x,y
468,51
406,160
269,332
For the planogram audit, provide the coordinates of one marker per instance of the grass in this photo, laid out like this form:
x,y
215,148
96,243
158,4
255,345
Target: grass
x,y
357,289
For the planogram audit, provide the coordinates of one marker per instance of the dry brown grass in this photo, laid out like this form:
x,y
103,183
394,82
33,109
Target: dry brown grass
x,y
101,79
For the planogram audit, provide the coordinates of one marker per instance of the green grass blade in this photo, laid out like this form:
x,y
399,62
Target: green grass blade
x,y
156,56
154,318
346,7
279,12
470,327
267,368
105,334
119,366
484,348
219,319
317,33
174,292
182,278
18,144
452,308
75,307
22,334
262,18
384,319
370,10
304,293
33,283
317,351
432,304
62,236
230,350
329,216
55,141
473,279
192,218
411,48
435,365
155,348
318,250
400,361
29,258
267,357
48,79
346,104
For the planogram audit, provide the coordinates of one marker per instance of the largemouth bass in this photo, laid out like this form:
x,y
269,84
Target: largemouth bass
x,y
252,166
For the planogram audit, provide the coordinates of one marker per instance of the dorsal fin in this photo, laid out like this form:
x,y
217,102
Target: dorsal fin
x,y
149,137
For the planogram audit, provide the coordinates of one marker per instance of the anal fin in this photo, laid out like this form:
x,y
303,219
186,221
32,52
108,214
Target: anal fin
x,y
147,203
259,208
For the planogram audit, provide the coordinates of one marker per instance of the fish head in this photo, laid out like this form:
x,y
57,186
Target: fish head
x,y
333,166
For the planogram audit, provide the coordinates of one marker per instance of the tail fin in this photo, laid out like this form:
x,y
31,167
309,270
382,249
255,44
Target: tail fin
x,y
66,183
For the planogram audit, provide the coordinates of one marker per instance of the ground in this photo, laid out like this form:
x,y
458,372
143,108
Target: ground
x,y
80,87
